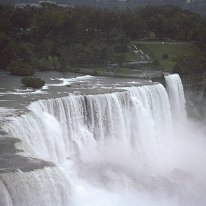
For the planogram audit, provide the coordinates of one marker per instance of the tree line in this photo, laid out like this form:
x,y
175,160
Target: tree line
x,y
57,38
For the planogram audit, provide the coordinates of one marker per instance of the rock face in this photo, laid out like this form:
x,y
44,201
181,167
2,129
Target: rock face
x,y
7,145
159,78
11,162
195,93
195,84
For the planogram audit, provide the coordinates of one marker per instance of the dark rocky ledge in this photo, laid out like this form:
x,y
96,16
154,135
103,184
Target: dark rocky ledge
x,y
11,162
14,163
7,145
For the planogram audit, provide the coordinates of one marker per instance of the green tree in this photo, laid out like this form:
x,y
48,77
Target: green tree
x,y
33,82
6,51
20,68
152,36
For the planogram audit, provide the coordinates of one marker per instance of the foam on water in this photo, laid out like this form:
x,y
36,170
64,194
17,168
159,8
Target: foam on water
x,y
23,92
69,81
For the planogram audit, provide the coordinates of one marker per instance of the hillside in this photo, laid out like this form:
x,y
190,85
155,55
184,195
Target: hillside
x,y
167,52
65,39
198,6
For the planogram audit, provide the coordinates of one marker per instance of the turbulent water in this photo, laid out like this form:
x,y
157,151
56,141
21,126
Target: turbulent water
x,y
127,148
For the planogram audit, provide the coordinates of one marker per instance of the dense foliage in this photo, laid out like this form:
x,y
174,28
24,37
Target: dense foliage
x,y
59,38
187,65
198,6
33,82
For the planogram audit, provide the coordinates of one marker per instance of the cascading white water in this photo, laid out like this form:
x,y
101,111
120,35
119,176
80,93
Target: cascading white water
x,y
118,149
176,96
41,187
58,128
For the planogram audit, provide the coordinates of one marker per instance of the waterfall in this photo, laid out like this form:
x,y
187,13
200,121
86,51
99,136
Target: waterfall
x,y
118,148
57,129
41,187
176,96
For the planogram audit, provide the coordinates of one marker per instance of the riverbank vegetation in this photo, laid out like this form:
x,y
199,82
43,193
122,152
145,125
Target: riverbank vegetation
x,y
169,53
66,39
33,82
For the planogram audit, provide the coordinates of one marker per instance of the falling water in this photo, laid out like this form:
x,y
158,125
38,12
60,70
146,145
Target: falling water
x,y
110,149
176,96
59,128
44,187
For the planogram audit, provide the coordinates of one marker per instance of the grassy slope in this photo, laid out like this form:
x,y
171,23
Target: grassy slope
x,y
174,50
154,50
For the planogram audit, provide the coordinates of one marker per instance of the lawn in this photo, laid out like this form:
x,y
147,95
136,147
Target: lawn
x,y
156,50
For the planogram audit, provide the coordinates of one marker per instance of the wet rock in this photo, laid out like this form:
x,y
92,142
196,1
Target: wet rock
x,y
7,145
14,163
11,162
159,78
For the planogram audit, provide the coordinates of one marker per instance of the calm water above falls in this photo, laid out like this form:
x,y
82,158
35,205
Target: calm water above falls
x,y
134,146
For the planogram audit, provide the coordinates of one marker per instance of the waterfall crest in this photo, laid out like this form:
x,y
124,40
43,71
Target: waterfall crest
x,y
56,129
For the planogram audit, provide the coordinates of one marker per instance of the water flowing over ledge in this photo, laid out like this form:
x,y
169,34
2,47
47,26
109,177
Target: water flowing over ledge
x,y
176,96
118,148
57,128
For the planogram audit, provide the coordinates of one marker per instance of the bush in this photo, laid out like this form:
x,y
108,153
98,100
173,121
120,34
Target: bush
x,y
152,36
95,73
165,56
33,82
20,68
156,62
